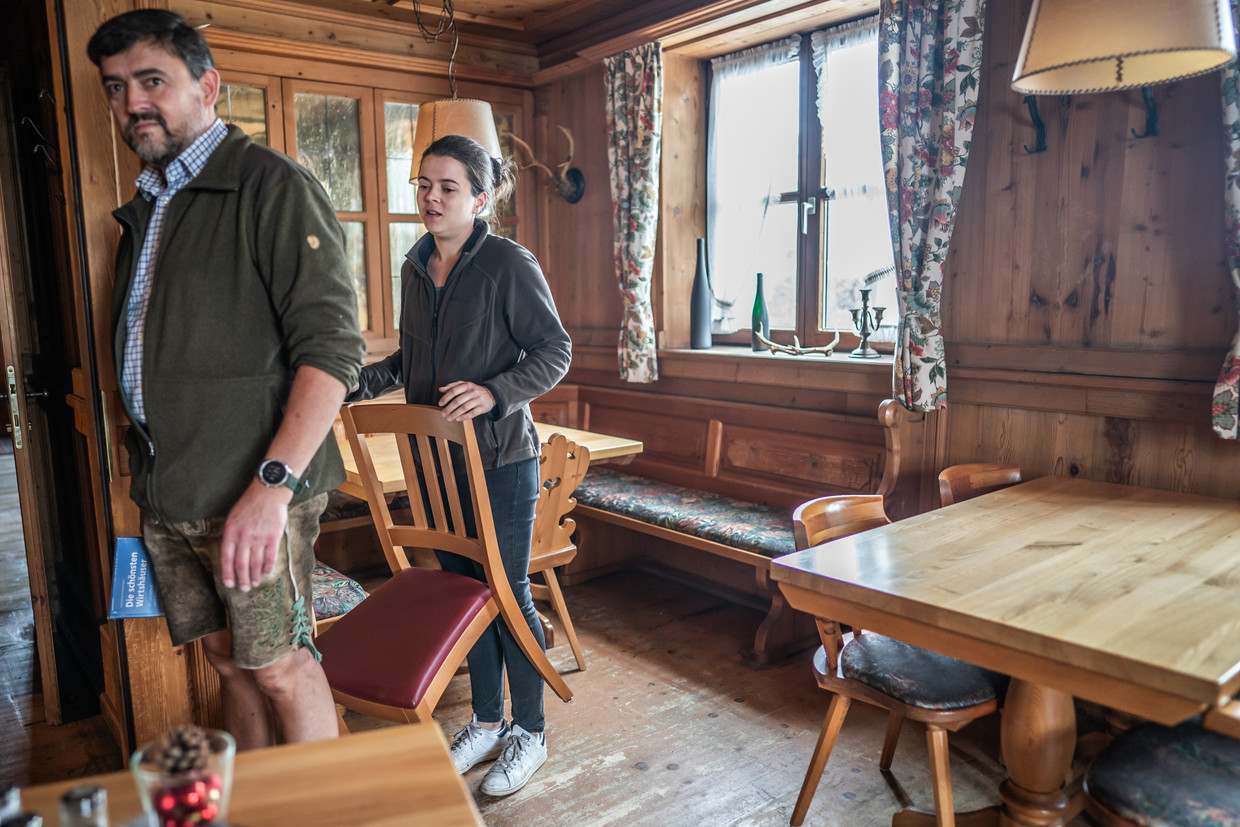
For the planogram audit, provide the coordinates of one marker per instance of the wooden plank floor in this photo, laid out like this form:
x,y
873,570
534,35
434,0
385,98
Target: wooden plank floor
x,y
32,752
667,728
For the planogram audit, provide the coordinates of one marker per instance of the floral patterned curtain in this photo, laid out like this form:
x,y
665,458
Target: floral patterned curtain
x,y
1226,412
634,132
930,54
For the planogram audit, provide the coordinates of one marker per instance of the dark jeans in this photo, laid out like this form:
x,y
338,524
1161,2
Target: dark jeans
x,y
513,491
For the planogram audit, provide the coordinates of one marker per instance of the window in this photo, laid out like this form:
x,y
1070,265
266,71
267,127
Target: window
x,y
795,183
358,142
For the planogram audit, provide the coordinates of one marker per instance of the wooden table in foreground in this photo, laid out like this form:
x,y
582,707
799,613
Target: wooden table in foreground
x,y
401,775
602,447
1120,595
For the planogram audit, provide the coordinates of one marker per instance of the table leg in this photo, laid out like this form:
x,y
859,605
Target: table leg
x,y
1038,735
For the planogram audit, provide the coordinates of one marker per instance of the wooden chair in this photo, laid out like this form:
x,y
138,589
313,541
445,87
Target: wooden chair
x,y
964,482
909,682
562,465
393,655
1155,775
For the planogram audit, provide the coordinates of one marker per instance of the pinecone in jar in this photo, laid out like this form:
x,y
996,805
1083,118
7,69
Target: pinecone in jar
x,y
181,750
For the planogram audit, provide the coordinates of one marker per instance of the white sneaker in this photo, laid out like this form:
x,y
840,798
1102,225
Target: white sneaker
x,y
473,745
524,753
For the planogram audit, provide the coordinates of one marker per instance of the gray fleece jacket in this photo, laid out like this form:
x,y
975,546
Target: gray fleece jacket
x,y
494,324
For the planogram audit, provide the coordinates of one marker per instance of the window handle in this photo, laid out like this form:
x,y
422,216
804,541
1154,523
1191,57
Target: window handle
x,y
808,207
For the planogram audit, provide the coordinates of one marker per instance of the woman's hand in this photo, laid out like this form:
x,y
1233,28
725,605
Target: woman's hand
x,y
464,400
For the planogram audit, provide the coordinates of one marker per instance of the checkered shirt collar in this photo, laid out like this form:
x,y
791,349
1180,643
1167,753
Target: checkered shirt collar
x,y
183,168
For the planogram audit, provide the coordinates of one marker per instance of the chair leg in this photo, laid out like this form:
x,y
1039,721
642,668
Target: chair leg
x,y
941,777
894,722
561,610
341,727
822,751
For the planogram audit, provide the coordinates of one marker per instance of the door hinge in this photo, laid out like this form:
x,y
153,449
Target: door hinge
x,y
107,433
14,415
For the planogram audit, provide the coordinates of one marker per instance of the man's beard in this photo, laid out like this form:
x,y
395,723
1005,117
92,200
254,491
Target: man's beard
x,y
149,148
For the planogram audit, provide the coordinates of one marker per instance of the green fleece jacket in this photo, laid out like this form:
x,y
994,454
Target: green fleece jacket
x,y
250,283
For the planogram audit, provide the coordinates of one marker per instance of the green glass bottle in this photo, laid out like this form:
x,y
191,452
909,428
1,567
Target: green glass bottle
x,y
761,319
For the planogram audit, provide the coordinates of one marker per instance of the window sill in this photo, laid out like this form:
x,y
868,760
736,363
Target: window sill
x,y
813,360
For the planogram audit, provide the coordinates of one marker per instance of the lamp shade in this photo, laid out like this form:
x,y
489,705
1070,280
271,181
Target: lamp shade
x,y
457,116
1074,46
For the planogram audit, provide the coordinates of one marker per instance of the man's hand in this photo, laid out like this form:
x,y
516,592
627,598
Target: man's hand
x,y
464,400
252,535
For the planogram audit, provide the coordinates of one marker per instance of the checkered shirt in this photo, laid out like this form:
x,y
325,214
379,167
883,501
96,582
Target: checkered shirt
x,y
159,187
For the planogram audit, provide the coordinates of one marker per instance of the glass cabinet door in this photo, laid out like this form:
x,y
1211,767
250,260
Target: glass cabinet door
x,y
330,132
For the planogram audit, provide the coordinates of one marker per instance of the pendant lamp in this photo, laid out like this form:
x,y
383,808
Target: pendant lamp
x,y
1076,46
452,116
457,116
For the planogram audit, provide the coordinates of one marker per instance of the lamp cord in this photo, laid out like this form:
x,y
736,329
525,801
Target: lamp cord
x,y
446,23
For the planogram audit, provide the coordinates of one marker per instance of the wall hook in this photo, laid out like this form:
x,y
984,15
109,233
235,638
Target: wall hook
x,y
51,163
1151,114
1040,146
30,123
44,93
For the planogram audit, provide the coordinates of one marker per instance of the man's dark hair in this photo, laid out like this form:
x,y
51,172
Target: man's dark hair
x,y
167,29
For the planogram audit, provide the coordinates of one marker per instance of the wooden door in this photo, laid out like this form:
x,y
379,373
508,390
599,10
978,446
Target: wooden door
x,y
27,445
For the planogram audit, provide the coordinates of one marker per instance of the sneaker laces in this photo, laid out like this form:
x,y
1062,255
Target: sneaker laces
x,y
515,749
468,734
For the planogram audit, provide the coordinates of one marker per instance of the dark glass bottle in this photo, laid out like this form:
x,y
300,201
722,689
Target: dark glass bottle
x,y
761,319
700,302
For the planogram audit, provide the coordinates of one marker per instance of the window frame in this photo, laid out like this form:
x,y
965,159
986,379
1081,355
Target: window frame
x,y
811,247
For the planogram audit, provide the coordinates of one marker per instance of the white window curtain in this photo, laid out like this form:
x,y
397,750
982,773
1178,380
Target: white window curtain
x,y
741,198
858,233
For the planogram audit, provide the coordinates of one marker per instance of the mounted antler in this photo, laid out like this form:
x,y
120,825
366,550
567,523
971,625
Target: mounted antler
x,y
567,179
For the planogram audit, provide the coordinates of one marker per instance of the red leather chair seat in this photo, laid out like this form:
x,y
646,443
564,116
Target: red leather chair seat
x,y
389,648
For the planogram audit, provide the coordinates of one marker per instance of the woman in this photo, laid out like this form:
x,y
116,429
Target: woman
x,y
480,338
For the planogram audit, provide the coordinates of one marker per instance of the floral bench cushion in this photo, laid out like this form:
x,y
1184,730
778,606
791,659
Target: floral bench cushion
x,y
334,593
1157,775
758,528
342,506
919,677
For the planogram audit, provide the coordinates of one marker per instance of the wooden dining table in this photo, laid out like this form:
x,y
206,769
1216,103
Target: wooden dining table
x,y
401,775
602,447
1128,597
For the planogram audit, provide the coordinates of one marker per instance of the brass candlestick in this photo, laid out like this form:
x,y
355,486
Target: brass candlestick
x,y
866,319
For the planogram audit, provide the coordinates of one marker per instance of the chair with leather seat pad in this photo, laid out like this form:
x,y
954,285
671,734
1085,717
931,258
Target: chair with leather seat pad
x,y
393,655
910,682
1154,775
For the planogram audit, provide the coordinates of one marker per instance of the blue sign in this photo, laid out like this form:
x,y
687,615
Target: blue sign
x,y
133,586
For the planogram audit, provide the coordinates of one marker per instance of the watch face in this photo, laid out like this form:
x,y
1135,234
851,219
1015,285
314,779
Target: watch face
x,y
272,472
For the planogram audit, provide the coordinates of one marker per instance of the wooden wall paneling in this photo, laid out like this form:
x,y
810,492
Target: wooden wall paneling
x,y
106,169
275,56
1087,305
580,259
1178,456
295,23
682,195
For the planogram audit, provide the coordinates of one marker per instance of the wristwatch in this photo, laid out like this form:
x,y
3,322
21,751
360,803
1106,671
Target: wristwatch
x,y
274,474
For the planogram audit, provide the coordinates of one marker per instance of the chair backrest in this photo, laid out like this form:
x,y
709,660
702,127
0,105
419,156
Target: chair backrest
x,y
827,518
438,514
446,451
562,465
964,482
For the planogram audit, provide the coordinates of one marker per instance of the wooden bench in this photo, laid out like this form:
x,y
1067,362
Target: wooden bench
x,y
710,498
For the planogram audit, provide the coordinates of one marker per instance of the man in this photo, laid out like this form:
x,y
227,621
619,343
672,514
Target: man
x,y
235,336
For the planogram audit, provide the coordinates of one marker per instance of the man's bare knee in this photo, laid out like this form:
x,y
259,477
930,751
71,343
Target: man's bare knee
x,y
218,649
